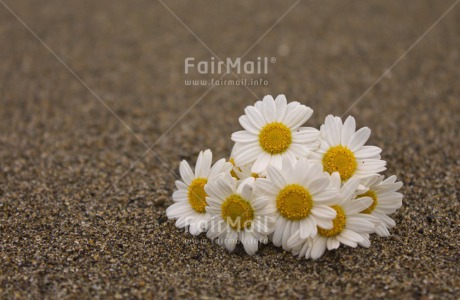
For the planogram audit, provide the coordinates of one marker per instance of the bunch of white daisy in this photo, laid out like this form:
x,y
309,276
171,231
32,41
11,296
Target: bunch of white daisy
x,y
303,189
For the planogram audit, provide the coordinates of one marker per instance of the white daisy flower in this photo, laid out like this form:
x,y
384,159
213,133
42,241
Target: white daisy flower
x,y
342,150
273,131
350,228
190,197
385,200
302,196
237,215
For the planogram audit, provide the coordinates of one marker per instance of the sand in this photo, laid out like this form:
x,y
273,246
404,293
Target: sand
x,y
73,224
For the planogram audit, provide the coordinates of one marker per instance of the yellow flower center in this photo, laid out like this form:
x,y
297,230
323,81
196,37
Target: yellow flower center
x,y
237,212
340,159
374,203
294,202
275,138
339,223
197,195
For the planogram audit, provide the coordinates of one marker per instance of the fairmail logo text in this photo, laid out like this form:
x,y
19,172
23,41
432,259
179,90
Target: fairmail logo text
x,y
228,65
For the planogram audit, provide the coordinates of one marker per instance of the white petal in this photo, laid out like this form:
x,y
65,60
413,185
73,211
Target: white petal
x,y
269,211
358,205
300,172
386,210
180,185
227,188
244,137
326,197
231,240
258,105
212,210
264,187
279,229
306,227
366,243
348,129
219,167
306,249
332,244
295,241
305,135
255,117
324,212
181,222
351,235
389,222
286,234
261,163
199,162
248,125
360,226
349,189
318,185
199,225
289,164
275,176
388,187
281,107
335,180
213,231
346,241
382,231
206,164
214,191
178,209
319,247
299,150
335,130
249,242
359,138
276,161
259,203
245,188
214,203
269,109
367,152
247,154
324,223
186,172
180,195
392,198
370,166
292,106
326,132
261,227
296,118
